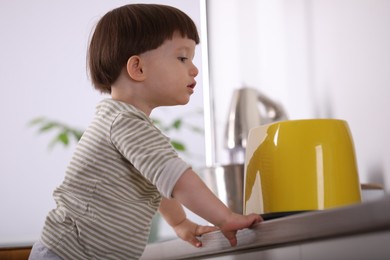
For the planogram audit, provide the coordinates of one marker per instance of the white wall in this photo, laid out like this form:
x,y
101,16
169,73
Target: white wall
x,y
250,46
351,66
42,70
319,58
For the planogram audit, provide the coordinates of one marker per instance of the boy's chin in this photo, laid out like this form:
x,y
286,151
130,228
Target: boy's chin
x,y
183,102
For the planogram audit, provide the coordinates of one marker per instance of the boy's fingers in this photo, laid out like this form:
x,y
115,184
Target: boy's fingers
x,y
233,241
231,236
200,230
256,218
195,242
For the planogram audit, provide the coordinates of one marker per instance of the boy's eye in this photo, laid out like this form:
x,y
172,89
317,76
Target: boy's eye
x,y
182,59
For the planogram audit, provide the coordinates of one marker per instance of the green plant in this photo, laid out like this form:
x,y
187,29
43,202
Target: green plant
x,y
65,134
176,125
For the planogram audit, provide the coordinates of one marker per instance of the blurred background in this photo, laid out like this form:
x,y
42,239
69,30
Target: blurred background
x,y
318,58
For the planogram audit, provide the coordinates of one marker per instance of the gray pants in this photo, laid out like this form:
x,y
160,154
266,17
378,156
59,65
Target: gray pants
x,y
40,252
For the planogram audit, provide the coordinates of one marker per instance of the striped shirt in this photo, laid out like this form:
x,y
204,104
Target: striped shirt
x,y
113,186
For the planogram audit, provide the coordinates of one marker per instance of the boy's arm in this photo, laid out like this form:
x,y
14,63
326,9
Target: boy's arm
x,y
172,211
193,193
174,214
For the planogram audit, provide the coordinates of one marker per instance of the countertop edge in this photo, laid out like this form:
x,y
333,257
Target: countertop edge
x,y
359,218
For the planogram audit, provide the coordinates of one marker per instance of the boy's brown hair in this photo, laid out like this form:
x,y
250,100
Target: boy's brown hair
x,y
132,30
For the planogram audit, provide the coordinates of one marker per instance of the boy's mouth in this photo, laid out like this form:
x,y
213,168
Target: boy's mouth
x,y
192,86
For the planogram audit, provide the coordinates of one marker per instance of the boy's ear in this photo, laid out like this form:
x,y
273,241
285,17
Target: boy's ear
x,y
134,68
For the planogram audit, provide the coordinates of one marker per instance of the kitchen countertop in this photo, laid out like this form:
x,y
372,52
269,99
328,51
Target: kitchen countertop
x,y
367,217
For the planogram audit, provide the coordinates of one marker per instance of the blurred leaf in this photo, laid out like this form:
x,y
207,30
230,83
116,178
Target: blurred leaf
x,y
77,134
36,120
47,126
160,125
177,124
195,129
64,132
156,121
179,146
63,138
60,138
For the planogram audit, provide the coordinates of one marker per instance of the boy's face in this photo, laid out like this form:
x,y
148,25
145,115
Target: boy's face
x,y
169,72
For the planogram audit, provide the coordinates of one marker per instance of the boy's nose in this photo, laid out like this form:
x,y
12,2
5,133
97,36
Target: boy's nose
x,y
194,71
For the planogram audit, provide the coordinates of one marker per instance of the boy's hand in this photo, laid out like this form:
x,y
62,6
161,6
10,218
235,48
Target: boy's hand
x,y
193,193
189,231
236,222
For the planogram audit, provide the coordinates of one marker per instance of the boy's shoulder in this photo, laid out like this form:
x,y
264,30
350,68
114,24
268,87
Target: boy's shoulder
x,y
115,108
